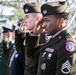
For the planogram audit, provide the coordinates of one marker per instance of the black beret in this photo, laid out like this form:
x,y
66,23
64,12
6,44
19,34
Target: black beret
x,y
52,8
33,7
5,29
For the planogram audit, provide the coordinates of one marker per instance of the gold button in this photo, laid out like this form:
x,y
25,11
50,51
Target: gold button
x,y
59,37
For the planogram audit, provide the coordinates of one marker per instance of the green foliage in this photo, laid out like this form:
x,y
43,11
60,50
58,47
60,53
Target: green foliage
x,y
13,4
12,17
20,15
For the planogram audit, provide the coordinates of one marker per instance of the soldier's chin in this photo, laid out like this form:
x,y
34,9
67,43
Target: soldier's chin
x,y
46,33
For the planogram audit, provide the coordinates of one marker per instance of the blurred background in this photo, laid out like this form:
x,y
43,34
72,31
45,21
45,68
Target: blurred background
x,y
11,13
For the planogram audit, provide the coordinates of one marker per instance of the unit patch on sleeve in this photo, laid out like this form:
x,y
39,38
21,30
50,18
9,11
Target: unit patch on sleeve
x,y
69,46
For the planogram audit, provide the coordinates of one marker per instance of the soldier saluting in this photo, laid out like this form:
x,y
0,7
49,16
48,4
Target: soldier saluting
x,y
32,15
57,56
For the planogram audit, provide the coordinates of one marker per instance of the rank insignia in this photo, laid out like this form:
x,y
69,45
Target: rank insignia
x,y
66,67
69,46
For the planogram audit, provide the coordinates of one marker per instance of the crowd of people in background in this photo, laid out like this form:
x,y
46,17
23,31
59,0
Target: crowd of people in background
x,y
41,44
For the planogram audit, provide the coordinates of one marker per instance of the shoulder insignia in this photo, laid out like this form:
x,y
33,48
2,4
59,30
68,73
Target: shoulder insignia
x,y
69,46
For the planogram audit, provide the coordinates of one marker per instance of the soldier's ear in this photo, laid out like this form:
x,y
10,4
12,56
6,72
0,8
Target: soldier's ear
x,y
38,17
61,21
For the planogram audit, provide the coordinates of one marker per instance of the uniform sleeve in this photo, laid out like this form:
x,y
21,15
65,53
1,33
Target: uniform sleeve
x,y
19,40
32,47
65,58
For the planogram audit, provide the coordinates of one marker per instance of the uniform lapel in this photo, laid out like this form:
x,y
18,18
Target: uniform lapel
x,y
54,40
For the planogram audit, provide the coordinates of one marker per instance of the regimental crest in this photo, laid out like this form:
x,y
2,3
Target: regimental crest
x,y
47,38
44,11
26,10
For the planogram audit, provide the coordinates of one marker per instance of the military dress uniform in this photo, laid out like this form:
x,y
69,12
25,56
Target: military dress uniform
x,y
18,60
3,61
27,62
30,65
7,49
4,54
57,56
17,65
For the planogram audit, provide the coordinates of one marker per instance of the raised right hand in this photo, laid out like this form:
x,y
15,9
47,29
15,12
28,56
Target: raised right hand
x,y
38,29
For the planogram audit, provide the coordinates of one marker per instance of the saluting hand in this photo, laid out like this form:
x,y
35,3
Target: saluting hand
x,y
38,29
22,27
